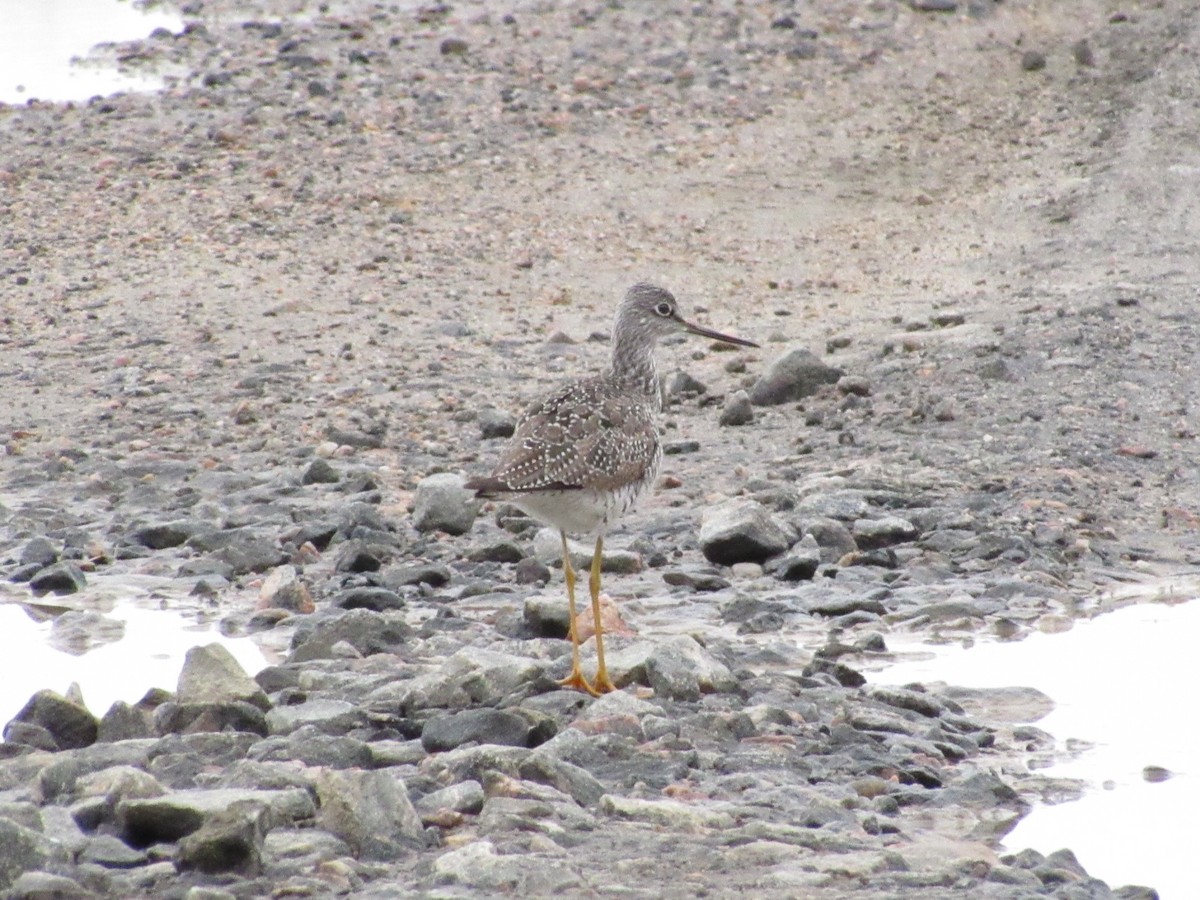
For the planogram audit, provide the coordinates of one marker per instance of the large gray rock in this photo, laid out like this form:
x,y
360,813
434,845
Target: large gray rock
x,y
481,726
62,578
832,536
464,797
370,811
230,840
330,716
111,853
737,410
478,867
801,562
680,669
471,677
47,886
68,724
21,849
871,534
210,674
793,376
161,536
168,818
443,504
366,631
741,531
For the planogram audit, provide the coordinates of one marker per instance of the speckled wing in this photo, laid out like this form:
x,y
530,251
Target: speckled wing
x,y
587,436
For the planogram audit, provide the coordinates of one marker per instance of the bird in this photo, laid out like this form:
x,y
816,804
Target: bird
x,y
581,457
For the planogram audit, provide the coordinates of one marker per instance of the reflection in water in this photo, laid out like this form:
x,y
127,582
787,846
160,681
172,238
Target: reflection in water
x,y
149,654
39,38
1119,684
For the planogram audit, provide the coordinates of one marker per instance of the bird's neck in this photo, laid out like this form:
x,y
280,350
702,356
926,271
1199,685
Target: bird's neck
x,y
633,365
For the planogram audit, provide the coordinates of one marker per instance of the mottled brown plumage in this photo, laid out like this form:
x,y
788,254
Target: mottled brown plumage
x,y
580,458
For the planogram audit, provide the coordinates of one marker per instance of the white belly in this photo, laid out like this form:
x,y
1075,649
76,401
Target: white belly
x,y
582,512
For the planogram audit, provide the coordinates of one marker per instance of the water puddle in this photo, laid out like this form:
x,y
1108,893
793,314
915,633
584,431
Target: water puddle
x,y
1121,685
44,47
134,647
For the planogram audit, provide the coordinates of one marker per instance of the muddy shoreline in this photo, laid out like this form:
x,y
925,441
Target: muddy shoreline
x,y
247,318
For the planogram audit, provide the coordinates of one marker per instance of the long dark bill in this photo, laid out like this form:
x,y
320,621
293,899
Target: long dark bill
x,y
717,336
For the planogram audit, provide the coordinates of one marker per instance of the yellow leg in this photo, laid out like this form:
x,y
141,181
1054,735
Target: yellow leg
x,y
602,684
575,679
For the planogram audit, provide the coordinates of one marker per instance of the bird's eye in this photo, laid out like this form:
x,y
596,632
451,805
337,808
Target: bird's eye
x,y
664,310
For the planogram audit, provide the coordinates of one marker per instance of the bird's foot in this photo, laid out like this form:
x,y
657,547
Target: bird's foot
x,y
602,684
578,682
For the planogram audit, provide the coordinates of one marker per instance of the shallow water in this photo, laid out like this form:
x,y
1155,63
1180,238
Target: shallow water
x,y
1122,684
149,654
40,38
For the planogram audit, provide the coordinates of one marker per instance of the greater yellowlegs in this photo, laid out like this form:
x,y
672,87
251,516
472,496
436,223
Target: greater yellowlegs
x,y
580,458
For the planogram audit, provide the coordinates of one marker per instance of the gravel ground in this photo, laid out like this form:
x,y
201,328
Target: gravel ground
x,y
257,326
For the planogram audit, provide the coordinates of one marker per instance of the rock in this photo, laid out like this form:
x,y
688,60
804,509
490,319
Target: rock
x,y
443,504
370,811
38,551
309,746
251,554
60,578
23,850
376,599
164,535
169,818
78,631
934,5
230,840
432,574
453,46
283,589
706,582
854,386
740,531
470,677
680,669
196,718
872,534
1082,53
679,817
69,724
123,722
843,505
840,604
480,726
681,384
547,616
210,674
737,411
499,551
1032,60
494,423
464,797
45,886
60,777
832,537
478,866
367,632
356,556
794,376
320,471
801,562
531,571
330,716
111,853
